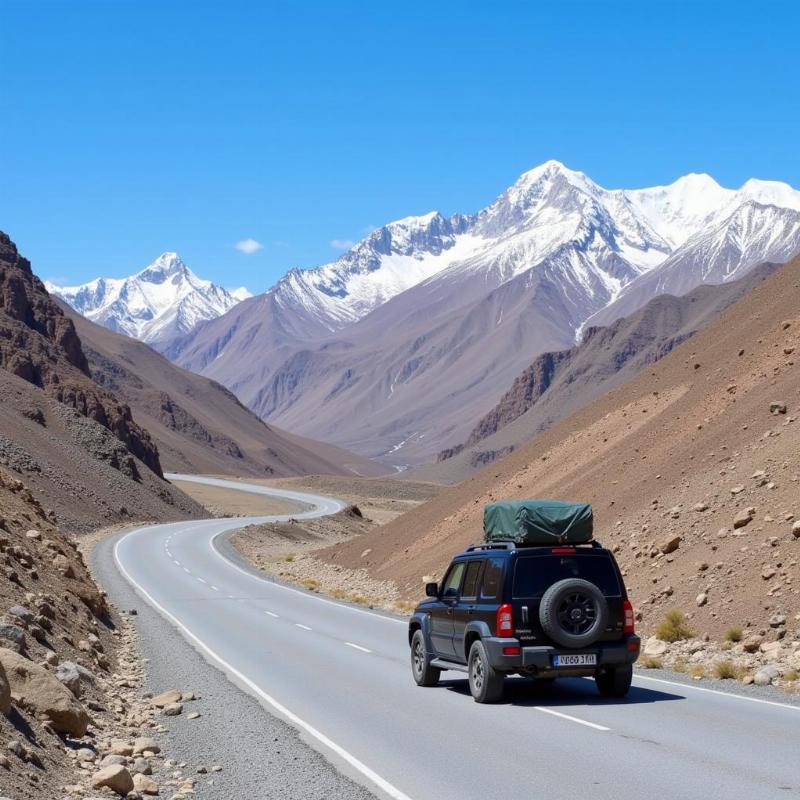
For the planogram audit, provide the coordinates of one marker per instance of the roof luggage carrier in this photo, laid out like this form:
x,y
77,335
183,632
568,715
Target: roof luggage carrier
x,y
502,545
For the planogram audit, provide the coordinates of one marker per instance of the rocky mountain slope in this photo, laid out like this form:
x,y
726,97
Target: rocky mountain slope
x,y
73,718
74,443
424,324
692,468
198,425
164,300
559,383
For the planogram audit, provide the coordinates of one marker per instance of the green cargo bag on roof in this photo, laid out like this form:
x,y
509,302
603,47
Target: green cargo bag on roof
x,y
538,522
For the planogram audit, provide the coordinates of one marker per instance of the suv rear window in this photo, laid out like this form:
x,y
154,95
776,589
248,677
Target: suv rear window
x,y
533,575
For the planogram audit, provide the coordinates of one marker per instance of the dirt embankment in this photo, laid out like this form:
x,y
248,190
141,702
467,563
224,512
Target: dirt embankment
x,y
673,462
72,717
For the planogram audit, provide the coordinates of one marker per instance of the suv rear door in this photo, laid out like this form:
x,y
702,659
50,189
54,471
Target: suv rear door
x,y
535,572
441,613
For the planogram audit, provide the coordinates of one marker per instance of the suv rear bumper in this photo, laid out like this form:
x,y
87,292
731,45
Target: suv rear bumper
x,y
539,659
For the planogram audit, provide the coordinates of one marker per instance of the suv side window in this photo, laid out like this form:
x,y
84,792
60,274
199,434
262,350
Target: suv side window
x,y
470,589
453,580
492,579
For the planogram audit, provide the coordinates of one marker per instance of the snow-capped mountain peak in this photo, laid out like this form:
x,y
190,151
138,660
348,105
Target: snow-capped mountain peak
x,y
161,301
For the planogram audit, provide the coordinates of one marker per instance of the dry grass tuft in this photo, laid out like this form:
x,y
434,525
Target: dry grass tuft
x,y
674,628
651,662
725,670
734,634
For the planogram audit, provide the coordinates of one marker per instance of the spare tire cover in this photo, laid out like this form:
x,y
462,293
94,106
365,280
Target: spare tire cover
x,y
573,612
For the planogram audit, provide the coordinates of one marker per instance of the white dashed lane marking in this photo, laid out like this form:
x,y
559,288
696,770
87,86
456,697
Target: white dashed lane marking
x,y
572,719
358,647
271,614
300,625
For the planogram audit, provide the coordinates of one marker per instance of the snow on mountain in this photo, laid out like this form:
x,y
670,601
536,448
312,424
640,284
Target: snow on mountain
x,y
406,339
164,300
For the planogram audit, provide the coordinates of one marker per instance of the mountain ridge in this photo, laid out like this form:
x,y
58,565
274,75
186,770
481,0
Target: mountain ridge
x,y
163,300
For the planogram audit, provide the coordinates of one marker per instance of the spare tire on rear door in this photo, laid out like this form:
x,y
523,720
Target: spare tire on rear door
x,y
573,613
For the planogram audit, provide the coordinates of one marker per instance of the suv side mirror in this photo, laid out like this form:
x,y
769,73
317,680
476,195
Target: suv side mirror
x,y
432,589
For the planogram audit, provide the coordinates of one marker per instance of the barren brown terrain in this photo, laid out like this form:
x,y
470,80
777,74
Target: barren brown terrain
x,y
703,447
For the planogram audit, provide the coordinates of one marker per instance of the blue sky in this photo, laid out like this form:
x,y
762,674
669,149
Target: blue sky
x,y
130,128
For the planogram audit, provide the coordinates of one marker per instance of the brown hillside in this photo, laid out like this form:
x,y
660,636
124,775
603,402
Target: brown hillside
x,y
559,384
199,425
681,450
38,343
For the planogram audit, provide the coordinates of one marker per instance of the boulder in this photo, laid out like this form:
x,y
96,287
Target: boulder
x,y
766,675
67,673
173,710
38,690
796,529
144,784
670,545
115,777
145,743
14,635
63,565
165,698
777,407
702,599
655,647
21,615
751,644
111,759
744,517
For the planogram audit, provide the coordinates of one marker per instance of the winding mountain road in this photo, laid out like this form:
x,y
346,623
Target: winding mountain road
x,y
340,674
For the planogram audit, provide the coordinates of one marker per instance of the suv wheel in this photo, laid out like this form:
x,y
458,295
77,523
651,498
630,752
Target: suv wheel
x,y
614,682
424,673
573,613
485,682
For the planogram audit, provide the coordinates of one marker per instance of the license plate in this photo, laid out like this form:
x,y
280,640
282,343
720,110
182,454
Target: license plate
x,y
578,660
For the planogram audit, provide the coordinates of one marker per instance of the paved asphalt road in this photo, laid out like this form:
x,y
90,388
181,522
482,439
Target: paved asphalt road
x,y
341,675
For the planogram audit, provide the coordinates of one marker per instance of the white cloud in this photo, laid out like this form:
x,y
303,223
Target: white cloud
x,y
249,246
342,244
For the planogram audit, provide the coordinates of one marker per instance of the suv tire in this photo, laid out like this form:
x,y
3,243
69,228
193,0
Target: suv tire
x,y
573,613
485,682
424,674
615,681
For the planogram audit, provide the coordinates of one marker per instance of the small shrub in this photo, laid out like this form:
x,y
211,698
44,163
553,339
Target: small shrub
x,y
289,557
311,584
651,662
338,594
790,675
725,670
674,627
698,671
734,634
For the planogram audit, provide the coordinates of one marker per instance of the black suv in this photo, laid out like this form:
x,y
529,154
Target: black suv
x,y
544,612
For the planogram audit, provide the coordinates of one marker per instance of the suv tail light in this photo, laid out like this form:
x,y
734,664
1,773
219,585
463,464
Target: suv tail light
x,y
505,620
563,550
628,609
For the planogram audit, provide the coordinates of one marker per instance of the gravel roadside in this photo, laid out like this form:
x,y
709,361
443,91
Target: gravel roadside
x,y
261,756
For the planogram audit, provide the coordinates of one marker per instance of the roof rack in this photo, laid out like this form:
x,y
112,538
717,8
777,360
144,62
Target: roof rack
x,y
492,546
509,545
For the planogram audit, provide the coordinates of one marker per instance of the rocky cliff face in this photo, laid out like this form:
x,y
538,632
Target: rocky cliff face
x,y
38,343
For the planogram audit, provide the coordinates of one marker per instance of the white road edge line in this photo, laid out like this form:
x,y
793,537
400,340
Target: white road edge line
x,y
730,695
358,647
572,719
384,785
300,625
